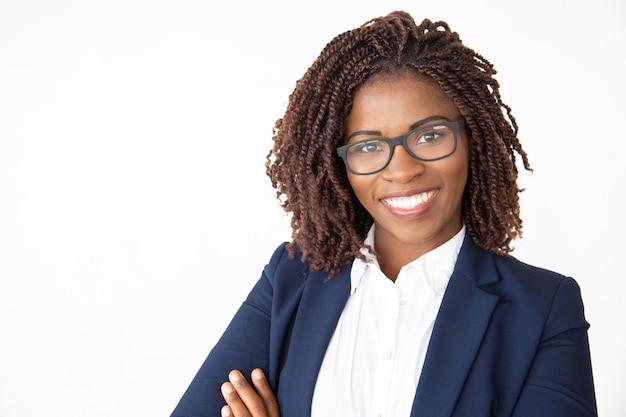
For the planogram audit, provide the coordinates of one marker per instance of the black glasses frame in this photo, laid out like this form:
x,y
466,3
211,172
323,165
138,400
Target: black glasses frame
x,y
454,126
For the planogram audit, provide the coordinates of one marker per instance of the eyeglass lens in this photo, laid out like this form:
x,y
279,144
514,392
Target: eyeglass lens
x,y
427,143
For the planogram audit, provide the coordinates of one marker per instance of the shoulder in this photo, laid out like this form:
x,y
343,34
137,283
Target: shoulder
x,y
510,265
285,272
514,272
531,302
550,291
515,281
487,268
534,281
282,263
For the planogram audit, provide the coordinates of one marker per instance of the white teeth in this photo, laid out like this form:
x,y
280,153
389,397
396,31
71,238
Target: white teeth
x,y
413,201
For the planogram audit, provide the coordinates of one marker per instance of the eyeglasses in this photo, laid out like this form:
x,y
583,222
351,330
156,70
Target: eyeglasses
x,y
426,143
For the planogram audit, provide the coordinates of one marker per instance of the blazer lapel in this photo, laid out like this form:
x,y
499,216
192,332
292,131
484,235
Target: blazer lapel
x,y
318,313
461,323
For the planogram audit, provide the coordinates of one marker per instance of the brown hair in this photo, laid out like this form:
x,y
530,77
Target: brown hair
x,y
329,224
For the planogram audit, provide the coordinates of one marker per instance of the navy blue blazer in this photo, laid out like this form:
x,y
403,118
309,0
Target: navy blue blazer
x,y
509,340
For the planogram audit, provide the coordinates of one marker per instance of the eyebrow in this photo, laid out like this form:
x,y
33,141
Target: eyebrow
x,y
411,127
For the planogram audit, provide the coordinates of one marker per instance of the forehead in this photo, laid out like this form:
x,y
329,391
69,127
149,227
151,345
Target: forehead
x,y
394,102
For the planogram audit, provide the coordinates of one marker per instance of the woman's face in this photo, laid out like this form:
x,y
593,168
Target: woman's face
x,y
416,205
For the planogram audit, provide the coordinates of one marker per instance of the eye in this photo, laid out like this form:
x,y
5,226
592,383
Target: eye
x,y
367,146
431,135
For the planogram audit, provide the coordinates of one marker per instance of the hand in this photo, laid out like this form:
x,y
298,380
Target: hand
x,y
243,400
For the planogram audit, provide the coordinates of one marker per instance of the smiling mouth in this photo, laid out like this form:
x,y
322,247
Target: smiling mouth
x,y
409,202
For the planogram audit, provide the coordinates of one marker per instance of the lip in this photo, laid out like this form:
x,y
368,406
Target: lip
x,y
410,205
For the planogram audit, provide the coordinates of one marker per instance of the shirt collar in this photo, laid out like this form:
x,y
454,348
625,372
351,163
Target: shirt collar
x,y
436,266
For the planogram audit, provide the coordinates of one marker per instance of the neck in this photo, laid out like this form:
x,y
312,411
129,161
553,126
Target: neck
x,y
394,253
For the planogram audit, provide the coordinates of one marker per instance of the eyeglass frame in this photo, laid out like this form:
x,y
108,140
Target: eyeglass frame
x,y
455,126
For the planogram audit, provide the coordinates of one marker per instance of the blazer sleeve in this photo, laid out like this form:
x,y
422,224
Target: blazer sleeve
x,y
560,382
244,345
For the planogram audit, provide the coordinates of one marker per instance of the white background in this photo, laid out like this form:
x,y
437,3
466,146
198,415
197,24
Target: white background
x,y
132,142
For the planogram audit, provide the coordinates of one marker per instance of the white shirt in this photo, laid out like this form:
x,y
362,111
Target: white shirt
x,y
375,356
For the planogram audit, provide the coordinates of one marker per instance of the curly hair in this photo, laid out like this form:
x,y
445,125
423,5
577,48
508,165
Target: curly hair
x,y
329,225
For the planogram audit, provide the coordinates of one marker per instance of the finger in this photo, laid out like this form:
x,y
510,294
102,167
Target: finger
x,y
234,404
245,401
226,411
264,390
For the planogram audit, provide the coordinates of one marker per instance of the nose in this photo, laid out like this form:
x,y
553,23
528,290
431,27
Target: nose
x,y
403,167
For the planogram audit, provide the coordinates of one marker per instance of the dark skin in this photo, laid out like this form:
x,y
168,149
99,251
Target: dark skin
x,y
416,205
245,400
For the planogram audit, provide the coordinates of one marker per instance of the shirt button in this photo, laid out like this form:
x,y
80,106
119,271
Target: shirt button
x,y
389,355
403,300
410,270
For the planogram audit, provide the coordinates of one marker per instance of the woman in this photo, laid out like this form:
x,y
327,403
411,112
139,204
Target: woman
x,y
397,295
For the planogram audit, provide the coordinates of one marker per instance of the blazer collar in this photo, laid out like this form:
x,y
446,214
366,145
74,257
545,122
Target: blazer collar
x,y
476,264
318,313
459,329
